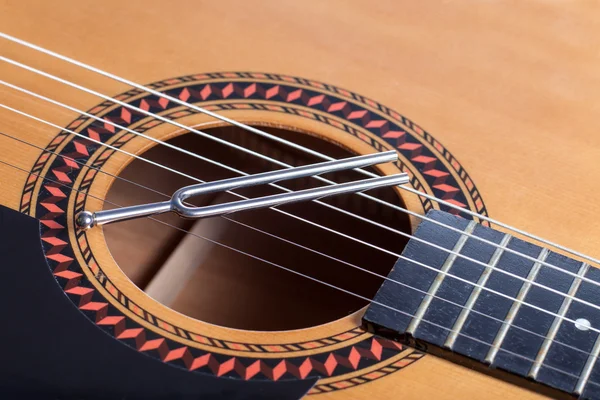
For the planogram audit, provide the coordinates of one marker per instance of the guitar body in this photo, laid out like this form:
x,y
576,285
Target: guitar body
x,y
492,106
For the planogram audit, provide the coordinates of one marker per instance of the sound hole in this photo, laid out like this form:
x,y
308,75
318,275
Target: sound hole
x,y
237,289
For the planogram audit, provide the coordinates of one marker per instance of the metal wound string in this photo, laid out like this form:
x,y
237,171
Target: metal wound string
x,y
323,282
445,273
203,134
441,201
505,248
352,238
524,279
193,178
99,170
272,137
156,116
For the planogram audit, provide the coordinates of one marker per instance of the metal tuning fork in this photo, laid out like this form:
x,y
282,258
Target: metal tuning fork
x,y
87,219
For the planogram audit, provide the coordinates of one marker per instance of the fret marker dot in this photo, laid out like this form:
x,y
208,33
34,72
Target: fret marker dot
x,y
582,324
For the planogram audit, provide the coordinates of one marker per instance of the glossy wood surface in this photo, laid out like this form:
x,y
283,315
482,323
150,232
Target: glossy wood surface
x,y
511,88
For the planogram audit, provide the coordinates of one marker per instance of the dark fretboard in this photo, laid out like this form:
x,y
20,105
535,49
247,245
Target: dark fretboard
x,y
502,319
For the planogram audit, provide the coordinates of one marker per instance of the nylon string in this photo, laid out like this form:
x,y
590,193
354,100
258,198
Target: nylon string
x,y
524,279
277,162
458,333
341,261
264,134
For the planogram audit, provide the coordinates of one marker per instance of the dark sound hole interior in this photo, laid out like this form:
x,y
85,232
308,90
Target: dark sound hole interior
x,y
216,284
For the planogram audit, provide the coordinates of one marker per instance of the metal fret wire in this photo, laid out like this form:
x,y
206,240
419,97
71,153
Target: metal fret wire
x,y
414,191
347,263
344,211
309,151
302,246
524,279
455,253
323,282
544,263
274,138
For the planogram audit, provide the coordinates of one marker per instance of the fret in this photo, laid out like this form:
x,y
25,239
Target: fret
x,y
550,337
532,325
508,321
580,363
414,324
462,318
587,369
416,280
455,289
496,308
493,308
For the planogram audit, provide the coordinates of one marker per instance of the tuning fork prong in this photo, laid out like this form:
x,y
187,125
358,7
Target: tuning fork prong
x,y
86,219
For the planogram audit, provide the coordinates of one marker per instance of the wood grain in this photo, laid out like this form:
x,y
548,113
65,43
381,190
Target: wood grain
x,y
510,87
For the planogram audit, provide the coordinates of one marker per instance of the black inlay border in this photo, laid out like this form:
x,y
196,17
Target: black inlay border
x,y
440,173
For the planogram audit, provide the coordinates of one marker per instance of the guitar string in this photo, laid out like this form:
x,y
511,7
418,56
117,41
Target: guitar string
x,y
272,137
557,246
418,192
399,208
298,245
450,330
543,262
221,141
402,209
194,178
342,261
524,279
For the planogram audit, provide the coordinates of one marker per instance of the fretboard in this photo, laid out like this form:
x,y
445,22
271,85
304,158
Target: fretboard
x,y
492,305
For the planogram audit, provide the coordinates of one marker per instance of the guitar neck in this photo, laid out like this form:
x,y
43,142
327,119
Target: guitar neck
x,y
496,299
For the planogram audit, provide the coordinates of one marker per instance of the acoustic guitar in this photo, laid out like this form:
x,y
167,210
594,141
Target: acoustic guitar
x,y
278,200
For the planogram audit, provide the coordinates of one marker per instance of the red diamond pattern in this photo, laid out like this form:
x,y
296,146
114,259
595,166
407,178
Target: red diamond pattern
x,y
232,365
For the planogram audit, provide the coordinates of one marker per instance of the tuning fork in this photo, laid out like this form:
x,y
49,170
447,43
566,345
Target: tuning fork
x,y
87,219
